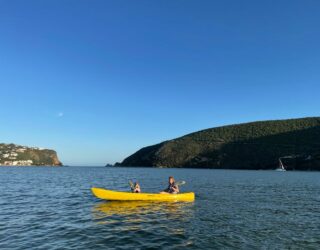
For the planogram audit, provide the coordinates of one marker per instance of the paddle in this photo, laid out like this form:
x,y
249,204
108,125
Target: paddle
x,y
180,183
131,185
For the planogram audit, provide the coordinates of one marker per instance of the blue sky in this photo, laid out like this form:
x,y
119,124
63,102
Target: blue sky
x,y
97,80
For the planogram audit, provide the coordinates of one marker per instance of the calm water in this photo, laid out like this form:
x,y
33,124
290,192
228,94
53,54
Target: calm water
x,y
53,208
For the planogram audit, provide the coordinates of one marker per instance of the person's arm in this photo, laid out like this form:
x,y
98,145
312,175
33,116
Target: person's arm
x,y
175,189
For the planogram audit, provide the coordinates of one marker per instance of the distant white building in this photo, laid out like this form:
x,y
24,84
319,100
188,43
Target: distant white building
x,y
19,163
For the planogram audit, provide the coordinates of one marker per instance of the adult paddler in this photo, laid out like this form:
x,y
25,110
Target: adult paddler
x,y
172,187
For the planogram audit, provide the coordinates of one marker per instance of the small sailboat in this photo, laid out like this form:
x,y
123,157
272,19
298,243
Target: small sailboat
x,y
281,166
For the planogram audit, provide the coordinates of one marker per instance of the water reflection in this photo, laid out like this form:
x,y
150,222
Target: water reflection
x,y
134,213
141,208
148,224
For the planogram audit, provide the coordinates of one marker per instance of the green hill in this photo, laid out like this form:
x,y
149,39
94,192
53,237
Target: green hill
x,y
255,145
16,155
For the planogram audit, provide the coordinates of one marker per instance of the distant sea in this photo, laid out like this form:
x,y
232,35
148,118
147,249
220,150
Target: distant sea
x,y
53,208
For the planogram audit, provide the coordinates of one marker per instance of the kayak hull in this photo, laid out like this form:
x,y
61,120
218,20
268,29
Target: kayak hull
x,y
110,195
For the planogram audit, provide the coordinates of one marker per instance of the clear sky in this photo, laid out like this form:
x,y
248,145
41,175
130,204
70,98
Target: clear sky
x,y
97,80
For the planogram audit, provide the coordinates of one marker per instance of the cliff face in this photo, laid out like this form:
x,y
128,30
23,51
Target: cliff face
x,y
16,155
256,145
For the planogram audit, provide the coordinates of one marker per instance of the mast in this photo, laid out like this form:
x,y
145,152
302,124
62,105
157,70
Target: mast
x,y
281,164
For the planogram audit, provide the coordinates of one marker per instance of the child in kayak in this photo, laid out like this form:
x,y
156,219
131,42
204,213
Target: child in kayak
x,y
172,187
136,188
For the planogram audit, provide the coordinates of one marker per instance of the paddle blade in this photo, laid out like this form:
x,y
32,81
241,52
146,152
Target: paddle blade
x,y
180,183
131,185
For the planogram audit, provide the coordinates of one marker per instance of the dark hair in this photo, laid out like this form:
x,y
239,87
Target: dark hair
x,y
171,177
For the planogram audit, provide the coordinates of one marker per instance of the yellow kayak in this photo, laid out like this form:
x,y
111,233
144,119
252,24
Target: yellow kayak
x,y
127,196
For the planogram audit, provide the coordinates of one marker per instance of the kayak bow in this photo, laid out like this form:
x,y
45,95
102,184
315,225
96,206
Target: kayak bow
x,y
127,196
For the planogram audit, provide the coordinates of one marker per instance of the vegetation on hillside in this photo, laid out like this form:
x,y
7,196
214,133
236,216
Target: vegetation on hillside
x,y
255,145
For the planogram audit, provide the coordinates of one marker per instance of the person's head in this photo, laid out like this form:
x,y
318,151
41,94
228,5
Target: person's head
x,y
171,180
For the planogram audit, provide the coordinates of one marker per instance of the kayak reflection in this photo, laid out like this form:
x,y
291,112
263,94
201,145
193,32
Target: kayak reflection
x,y
134,218
141,208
